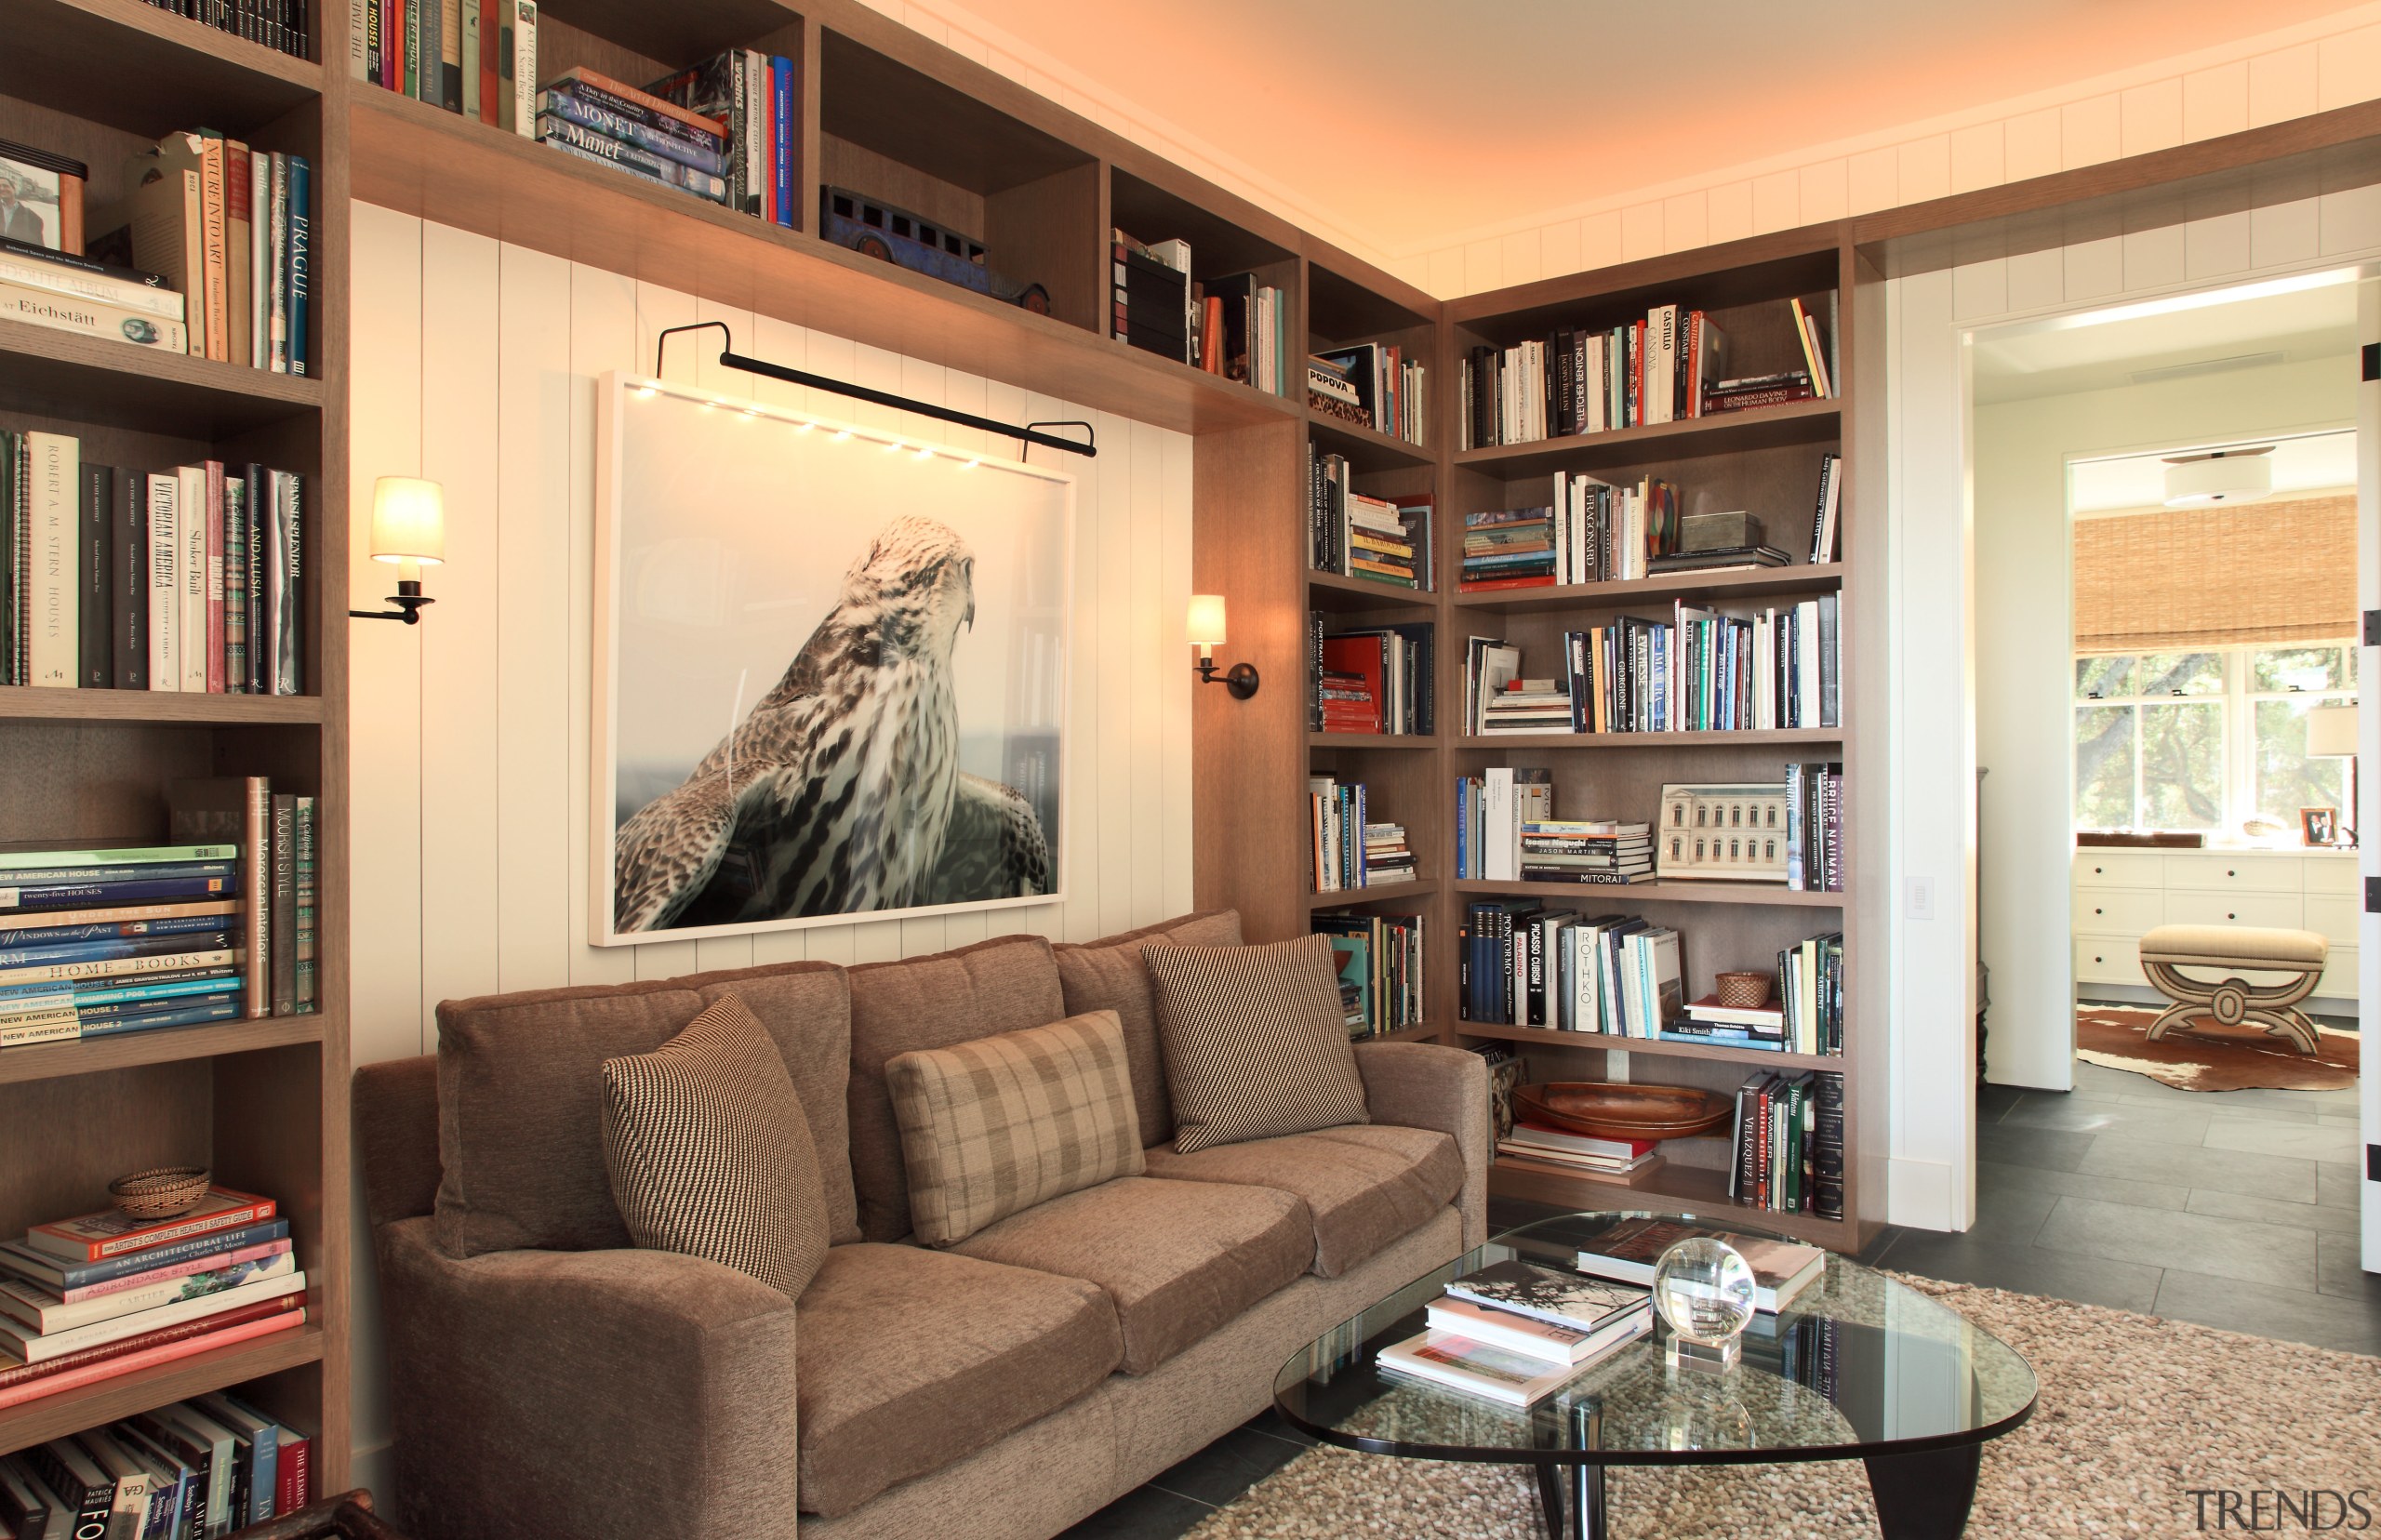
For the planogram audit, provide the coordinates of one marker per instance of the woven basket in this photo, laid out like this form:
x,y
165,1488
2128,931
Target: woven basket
x,y
1743,991
161,1193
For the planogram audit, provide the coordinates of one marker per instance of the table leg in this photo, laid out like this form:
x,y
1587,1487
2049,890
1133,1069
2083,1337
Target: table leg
x,y
1924,1497
1584,1505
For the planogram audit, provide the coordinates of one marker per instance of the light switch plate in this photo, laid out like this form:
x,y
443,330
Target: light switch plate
x,y
1918,897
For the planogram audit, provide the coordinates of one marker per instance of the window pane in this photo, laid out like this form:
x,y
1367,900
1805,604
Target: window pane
x,y
2104,768
2180,673
2297,668
2096,677
2287,779
2182,767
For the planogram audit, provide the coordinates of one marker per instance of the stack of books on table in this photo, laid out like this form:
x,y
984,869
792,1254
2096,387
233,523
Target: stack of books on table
x,y
747,93
187,1470
1628,1251
597,118
88,1298
1513,1332
1579,1151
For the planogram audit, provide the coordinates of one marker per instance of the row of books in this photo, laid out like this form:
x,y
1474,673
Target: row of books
x,y
1788,1143
1806,1017
478,58
1669,366
1373,385
285,26
1526,965
1815,828
1703,671
1375,681
1380,969
1380,539
1350,850
186,579
1237,326
1555,1147
86,1299
208,252
189,1470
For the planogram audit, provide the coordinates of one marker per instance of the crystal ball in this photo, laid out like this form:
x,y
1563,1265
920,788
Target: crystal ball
x,y
1703,1288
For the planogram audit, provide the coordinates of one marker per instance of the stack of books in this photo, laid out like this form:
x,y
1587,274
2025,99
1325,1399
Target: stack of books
x,y
1527,706
1336,813
1356,535
477,58
749,95
1811,974
1586,850
1789,1148
1490,810
1628,1250
1345,702
1153,307
1815,826
1668,367
1373,385
1578,1151
593,117
1373,680
1514,1332
1526,965
101,1295
1380,969
1388,855
187,1470
1709,1022
188,579
1509,548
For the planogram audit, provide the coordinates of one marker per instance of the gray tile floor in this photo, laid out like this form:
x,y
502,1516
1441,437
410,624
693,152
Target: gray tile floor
x,y
2234,1209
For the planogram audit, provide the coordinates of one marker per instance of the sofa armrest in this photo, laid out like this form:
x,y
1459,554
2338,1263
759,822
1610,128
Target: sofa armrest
x,y
1428,1085
601,1395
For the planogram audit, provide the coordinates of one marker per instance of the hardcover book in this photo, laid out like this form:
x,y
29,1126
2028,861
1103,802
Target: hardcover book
x,y
112,1233
1544,1293
1629,1249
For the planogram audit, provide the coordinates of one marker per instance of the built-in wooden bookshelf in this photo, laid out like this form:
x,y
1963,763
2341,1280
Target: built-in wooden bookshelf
x,y
262,1102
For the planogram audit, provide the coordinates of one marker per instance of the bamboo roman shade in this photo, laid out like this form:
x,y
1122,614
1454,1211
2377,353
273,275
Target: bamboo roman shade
x,y
2176,579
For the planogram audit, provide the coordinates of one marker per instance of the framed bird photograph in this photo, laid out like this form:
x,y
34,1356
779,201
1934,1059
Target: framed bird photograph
x,y
830,670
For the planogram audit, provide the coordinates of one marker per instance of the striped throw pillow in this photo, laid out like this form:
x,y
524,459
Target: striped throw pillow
x,y
710,1154
991,1128
1255,1042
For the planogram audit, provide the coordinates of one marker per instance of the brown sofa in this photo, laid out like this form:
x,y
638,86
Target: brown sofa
x,y
549,1380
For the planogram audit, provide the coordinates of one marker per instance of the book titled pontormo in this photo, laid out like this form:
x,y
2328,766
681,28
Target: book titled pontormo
x,y
112,1233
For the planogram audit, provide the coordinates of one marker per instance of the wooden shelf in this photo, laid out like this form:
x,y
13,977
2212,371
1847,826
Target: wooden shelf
x,y
1715,1053
43,370
147,70
1777,737
1414,1033
167,1046
1371,740
1364,448
1328,591
1381,892
419,160
1812,422
1759,581
1693,1189
162,707
1657,893
48,1417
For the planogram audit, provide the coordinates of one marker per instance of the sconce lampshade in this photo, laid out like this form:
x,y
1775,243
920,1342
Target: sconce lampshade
x,y
1206,622
2331,731
408,521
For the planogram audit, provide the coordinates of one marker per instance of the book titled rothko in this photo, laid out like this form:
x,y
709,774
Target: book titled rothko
x,y
112,1233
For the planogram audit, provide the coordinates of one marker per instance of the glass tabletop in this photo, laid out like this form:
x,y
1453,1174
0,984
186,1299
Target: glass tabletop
x,y
1855,1365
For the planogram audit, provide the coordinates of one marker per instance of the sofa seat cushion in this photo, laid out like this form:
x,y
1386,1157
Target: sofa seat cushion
x,y
1177,1259
1108,975
906,1360
1365,1186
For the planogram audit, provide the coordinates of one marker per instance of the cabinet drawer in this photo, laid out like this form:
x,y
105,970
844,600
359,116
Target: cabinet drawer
x,y
2329,874
2236,873
2117,869
2335,917
2273,910
2108,960
2124,912
2339,974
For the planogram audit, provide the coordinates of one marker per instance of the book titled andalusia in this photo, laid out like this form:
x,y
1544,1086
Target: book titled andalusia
x,y
112,1233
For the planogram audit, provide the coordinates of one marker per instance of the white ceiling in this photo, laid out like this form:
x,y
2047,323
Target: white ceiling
x,y
2212,335
2317,462
1415,123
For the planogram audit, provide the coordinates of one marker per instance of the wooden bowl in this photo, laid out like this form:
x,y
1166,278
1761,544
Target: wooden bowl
x,y
1743,991
161,1193
1602,1110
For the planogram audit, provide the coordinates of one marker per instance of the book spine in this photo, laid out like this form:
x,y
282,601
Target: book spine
x,y
782,135
94,645
489,67
238,243
302,260
591,121
257,514
296,1475
210,529
190,578
283,917
27,270
277,325
164,586
524,68
235,585
469,59
90,318
362,37
61,1241
303,932
29,1382
284,576
449,92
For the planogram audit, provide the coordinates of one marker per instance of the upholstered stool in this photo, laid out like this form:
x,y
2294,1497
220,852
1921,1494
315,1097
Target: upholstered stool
x,y
2170,949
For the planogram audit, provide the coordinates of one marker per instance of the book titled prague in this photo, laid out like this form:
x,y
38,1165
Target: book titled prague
x,y
112,1233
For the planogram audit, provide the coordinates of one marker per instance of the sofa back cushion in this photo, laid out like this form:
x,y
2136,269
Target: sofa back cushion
x,y
808,1008
993,987
1108,975
1255,1042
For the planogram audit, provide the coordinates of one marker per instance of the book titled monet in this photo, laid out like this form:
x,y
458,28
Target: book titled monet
x,y
112,1233
1545,1293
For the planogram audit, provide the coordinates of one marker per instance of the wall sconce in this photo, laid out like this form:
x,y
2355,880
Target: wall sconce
x,y
1206,632
408,528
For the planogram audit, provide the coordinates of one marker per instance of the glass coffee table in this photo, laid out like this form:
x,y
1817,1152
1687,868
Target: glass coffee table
x,y
1858,1367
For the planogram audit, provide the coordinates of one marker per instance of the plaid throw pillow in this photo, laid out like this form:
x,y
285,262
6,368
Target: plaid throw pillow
x,y
1255,1042
991,1128
710,1154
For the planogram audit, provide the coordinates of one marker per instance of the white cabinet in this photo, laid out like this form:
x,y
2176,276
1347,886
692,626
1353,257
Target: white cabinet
x,y
2120,895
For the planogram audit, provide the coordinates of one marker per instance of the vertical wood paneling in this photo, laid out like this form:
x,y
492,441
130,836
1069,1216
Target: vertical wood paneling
x,y
1174,683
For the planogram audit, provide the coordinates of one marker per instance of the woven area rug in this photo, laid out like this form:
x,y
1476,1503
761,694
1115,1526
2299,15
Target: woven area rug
x,y
2211,1057
2134,1413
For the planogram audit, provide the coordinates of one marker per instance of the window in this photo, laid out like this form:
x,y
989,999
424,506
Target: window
x,y
2205,740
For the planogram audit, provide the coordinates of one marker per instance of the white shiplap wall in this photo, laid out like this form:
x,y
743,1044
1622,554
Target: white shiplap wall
x,y
470,731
